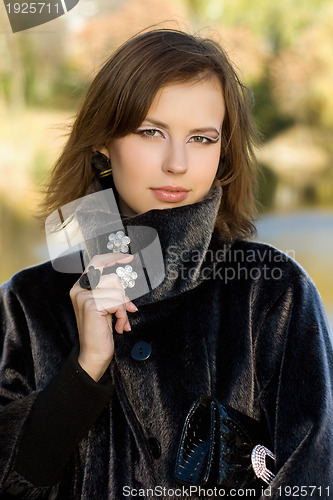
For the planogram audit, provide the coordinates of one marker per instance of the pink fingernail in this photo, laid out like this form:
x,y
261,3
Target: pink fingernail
x,y
133,306
128,326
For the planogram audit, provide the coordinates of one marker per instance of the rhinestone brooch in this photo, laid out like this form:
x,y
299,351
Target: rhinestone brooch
x,y
118,242
258,460
127,276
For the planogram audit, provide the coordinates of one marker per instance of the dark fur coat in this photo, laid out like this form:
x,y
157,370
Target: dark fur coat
x,y
243,323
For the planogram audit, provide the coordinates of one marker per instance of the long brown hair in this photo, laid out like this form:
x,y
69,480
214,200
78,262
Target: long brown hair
x,y
119,98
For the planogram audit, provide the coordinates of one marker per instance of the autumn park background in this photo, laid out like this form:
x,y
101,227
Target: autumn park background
x,y
283,52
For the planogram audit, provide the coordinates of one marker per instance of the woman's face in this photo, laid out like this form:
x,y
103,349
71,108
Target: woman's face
x,y
172,159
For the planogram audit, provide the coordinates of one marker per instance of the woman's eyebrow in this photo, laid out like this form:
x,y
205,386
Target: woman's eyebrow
x,y
203,130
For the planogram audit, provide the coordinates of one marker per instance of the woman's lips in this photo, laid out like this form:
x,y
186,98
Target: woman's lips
x,y
170,193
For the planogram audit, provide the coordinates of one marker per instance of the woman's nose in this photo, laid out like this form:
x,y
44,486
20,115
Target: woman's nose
x,y
175,160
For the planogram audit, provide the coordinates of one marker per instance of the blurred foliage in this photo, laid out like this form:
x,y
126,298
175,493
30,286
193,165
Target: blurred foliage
x,y
293,82
68,87
319,192
31,69
267,186
283,52
267,112
38,166
278,23
297,67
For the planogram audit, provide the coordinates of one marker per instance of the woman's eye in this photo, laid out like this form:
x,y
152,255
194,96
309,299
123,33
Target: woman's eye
x,y
150,132
201,139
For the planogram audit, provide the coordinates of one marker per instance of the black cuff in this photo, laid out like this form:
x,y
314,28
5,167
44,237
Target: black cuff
x,y
61,416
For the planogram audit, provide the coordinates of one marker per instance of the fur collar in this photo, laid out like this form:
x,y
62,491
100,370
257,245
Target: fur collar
x,y
169,245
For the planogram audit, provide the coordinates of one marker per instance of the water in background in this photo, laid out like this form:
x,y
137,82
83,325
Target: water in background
x,y
308,237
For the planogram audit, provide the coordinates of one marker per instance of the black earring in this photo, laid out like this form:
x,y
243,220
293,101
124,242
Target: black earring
x,y
101,163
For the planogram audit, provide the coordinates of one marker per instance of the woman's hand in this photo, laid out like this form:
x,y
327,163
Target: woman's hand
x,y
93,309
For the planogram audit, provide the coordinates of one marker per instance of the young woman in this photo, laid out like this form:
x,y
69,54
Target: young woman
x,y
218,377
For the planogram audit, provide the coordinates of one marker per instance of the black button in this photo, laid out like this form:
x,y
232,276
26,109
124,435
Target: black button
x,y
155,447
141,351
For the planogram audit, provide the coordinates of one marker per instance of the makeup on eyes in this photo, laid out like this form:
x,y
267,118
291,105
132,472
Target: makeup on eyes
x,y
210,140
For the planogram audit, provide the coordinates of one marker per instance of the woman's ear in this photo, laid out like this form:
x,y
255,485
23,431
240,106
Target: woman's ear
x,y
102,149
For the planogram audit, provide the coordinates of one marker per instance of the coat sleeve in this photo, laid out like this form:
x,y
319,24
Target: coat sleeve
x,y
17,392
39,430
297,399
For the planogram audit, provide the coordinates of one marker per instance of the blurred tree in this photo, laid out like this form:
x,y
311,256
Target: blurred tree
x,y
302,75
268,182
197,8
12,78
279,23
285,52
267,111
296,84
29,66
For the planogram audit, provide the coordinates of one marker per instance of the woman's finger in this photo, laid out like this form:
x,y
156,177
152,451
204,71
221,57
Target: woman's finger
x,y
111,280
103,306
100,262
109,259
